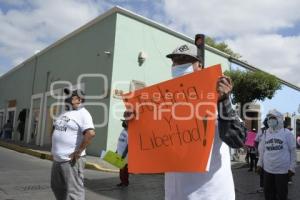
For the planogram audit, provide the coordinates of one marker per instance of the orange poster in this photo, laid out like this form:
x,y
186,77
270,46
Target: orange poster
x,y
174,123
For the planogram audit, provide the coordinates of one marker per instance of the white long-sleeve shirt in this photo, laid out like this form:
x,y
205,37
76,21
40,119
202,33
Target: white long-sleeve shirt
x,y
278,151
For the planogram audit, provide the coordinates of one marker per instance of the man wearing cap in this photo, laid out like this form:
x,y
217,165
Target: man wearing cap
x,y
73,130
229,131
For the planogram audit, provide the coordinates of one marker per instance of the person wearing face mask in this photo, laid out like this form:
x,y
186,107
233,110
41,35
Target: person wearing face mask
x,y
277,151
229,132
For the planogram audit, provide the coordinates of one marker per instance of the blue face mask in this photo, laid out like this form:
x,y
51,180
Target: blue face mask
x,y
180,70
272,123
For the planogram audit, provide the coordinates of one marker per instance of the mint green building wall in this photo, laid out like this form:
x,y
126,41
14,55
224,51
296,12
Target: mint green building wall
x,y
17,85
83,53
213,59
132,37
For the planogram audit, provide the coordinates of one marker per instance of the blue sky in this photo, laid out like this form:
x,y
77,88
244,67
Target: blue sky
x,y
293,31
265,32
280,102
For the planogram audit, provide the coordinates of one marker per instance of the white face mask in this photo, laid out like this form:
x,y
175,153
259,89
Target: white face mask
x,y
273,123
180,70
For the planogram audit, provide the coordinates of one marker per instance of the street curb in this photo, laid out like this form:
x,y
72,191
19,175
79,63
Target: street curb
x,y
48,156
88,165
93,166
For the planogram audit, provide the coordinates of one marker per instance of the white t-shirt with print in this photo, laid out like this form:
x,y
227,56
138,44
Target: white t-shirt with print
x,y
216,184
68,133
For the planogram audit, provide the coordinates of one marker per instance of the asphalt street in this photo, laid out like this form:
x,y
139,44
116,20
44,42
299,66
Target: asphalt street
x,y
23,177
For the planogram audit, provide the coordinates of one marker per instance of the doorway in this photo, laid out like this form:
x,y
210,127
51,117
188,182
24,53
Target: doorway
x,y
1,121
35,119
11,117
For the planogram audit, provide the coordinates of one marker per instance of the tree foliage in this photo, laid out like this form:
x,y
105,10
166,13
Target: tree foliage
x,y
222,46
249,86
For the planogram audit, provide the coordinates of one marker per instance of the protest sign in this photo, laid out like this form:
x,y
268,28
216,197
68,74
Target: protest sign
x,y
174,123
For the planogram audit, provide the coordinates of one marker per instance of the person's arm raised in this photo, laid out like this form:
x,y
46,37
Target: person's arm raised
x,y
231,128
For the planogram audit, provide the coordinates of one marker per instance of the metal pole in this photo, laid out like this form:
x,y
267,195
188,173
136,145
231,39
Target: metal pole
x,y
200,43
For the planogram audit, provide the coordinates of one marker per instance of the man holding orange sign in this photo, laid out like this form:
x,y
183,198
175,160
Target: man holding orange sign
x,y
175,130
207,185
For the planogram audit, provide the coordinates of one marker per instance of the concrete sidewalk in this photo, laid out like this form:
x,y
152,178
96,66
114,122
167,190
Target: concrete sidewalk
x,y
93,162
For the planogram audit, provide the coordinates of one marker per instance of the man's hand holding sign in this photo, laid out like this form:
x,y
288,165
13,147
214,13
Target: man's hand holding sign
x,y
174,123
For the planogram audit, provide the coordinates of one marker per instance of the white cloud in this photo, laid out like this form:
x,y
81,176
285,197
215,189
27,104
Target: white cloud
x,y
272,53
233,17
23,31
249,27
